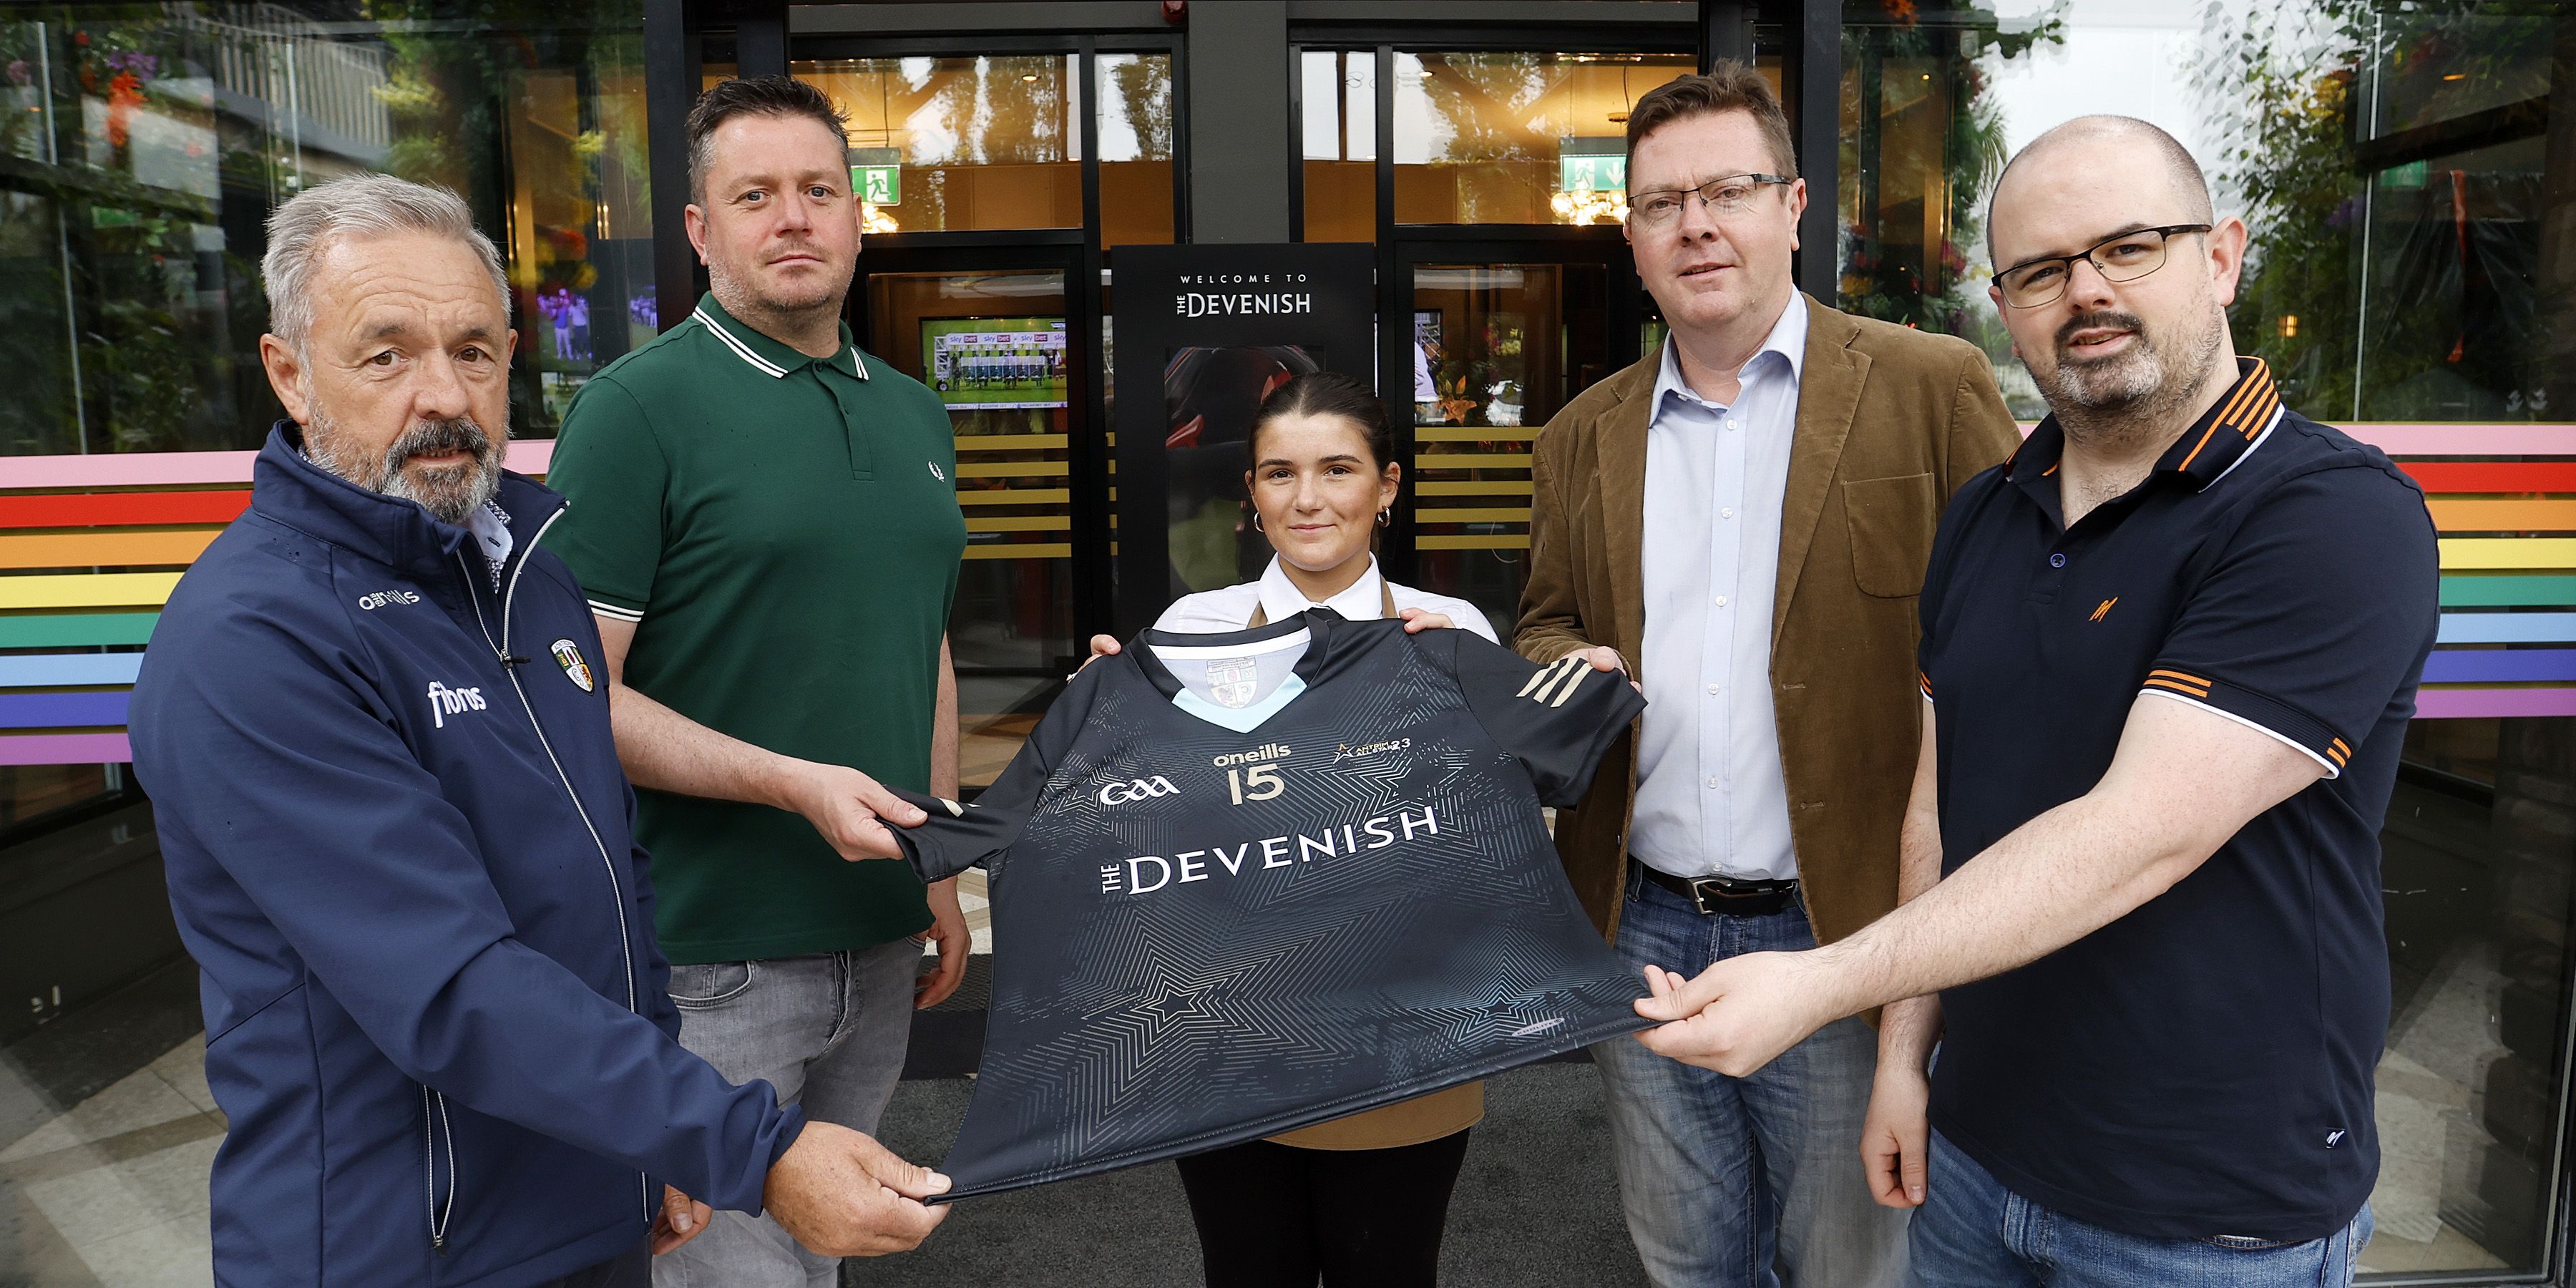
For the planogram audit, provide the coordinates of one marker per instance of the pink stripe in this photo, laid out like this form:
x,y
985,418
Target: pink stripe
x,y
67,749
168,469
2469,704
2468,440
2453,440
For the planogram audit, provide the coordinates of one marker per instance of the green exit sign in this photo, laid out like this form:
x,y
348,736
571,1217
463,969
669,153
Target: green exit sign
x,y
876,175
1592,173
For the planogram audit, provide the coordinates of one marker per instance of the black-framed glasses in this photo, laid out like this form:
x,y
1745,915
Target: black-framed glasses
x,y
2121,257
1720,197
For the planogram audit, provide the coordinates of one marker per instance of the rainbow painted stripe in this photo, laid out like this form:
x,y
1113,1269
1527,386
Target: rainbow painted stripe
x,y
90,547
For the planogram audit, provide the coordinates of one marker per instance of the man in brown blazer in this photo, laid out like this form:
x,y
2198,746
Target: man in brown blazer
x,y
1741,522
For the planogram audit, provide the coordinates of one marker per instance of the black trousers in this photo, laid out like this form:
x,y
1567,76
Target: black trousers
x,y
1275,1216
632,1268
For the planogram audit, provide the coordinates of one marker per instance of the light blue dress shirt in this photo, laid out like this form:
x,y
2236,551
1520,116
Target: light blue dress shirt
x,y
1710,797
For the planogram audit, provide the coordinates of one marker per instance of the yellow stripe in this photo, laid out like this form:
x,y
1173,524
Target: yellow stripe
x,y
1474,487
1498,541
1009,442
1027,550
1473,515
1009,469
1016,496
88,590
2508,552
1473,461
91,549
1020,523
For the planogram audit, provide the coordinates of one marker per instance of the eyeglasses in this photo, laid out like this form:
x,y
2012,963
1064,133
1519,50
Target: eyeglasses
x,y
2122,257
1721,198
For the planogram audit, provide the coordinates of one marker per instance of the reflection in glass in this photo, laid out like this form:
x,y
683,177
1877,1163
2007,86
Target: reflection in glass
x,y
1519,138
1338,99
1135,106
151,141
1498,349
992,345
980,142
2400,173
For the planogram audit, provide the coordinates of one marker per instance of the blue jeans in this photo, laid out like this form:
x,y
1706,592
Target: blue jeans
x,y
1971,1232
1744,1182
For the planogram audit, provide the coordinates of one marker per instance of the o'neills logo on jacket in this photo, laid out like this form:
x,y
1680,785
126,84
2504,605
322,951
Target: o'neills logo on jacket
x,y
1147,873
445,702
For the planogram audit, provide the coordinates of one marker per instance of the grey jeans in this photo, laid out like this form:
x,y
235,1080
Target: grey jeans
x,y
828,1032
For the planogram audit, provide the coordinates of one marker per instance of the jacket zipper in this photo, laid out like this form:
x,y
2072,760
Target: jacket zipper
x,y
429,1137
616,885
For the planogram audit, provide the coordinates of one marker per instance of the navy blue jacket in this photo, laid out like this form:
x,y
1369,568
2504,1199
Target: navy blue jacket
x,y
398,845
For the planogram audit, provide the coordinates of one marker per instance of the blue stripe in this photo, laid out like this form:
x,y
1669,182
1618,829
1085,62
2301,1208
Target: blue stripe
x,y
62,710
67,670
2500,666
2507,628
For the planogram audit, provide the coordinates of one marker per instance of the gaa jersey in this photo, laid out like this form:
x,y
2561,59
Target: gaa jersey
x,y
1246,882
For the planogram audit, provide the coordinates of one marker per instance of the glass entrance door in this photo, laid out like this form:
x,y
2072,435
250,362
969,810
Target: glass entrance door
x,y
1498,342
1000,349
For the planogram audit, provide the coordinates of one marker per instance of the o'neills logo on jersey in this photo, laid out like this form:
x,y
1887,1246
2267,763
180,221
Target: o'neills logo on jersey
x,y
445,702
1147,873
1266,751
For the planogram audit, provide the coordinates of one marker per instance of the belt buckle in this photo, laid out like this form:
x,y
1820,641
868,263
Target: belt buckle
x,y
1708,895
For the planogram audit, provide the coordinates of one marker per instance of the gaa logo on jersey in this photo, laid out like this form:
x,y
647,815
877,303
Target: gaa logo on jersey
x,y
1142,789
568,656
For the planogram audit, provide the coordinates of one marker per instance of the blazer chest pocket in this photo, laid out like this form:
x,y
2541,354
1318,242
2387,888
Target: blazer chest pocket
x,y
1891,521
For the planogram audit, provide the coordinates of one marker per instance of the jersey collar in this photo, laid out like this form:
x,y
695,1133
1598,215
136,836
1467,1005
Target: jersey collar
x,y
2220,438
1361,601
768,356
1321,621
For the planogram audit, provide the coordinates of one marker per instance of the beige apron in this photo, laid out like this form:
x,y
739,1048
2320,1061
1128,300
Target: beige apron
x,y
1409,1122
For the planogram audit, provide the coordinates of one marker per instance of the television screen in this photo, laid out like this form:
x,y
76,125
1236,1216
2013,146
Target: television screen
x,y
995,363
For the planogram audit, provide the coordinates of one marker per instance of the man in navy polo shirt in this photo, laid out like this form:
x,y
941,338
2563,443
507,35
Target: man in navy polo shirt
x,y
2171,648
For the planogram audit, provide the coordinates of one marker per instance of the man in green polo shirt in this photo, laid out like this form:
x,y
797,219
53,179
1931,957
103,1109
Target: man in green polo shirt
x,y
764,521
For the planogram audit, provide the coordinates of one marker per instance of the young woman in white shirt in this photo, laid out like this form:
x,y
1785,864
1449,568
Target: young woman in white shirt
x,y
1359,1202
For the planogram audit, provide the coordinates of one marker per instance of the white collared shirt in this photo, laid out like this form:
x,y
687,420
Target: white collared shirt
x,y
1711,800
1227,608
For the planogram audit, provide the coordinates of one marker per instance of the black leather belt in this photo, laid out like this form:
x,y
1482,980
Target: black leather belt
x,y
1726,896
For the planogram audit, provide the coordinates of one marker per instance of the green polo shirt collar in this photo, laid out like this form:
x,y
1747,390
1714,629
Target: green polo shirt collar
x,y
766,355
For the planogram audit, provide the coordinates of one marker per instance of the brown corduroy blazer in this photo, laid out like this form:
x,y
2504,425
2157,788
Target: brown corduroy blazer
x,y
1891,421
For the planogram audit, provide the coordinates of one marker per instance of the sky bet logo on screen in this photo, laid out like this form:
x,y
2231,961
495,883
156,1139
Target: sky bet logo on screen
x,y
1147,873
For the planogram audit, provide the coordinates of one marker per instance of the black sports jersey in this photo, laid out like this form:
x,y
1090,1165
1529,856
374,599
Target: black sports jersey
x,y
1232,896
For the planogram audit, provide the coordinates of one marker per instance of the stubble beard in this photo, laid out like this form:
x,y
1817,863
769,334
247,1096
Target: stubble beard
x,y
2130,398
743,295
449,494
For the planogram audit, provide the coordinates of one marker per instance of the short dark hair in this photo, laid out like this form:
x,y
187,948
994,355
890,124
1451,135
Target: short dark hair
x,y
1726,87
1328,393
753,96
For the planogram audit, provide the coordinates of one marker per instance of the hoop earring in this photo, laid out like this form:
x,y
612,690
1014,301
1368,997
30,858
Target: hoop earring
x,y
1383,518
1256,520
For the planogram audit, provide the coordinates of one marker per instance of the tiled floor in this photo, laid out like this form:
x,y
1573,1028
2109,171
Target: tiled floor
x,y
112,1191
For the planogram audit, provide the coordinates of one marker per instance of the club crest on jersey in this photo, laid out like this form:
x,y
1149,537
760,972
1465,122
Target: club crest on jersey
x,y
568,656
1232,681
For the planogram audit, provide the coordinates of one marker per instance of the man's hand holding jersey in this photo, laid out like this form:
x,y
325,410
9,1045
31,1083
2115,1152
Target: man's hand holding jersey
x,y
842,1194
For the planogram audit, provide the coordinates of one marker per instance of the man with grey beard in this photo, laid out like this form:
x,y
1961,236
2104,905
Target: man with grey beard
x,y
2170,649
398,843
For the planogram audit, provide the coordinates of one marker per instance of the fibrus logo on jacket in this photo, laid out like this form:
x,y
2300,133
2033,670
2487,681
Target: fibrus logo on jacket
x,y
400,854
